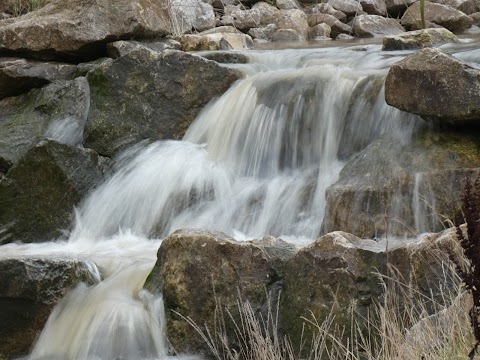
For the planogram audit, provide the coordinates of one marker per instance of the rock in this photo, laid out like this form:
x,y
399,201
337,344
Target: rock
x,y
149,95
84,68
265,32
26,119
375,26
436,86
225,57
406,189
29,289
197,270
344,37
190,14
419,39
76,30
288,4
396,8
4,16
446,16
6,5
374,7
221,30
337,27
292,19
337,276
216,42
348,7
319,30
245,19
287,35
40,191
475,18
267,12
18,76
121,48
324,8
466,6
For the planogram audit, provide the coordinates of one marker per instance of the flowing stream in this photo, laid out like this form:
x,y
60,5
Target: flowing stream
x,y
256,161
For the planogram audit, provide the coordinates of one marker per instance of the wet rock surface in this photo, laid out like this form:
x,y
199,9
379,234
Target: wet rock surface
x,y
29,289
149,95
419,39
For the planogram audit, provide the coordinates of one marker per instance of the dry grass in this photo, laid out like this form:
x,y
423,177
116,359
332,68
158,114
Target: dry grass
x,y
407,324
21,7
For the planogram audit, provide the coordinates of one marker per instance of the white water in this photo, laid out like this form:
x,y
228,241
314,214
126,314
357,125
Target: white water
x,y
255,162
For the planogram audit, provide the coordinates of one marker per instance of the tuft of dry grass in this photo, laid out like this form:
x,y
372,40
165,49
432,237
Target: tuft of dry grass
x,y
21,7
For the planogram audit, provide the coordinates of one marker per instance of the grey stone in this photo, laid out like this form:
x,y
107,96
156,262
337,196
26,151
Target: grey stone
x,y
120,48
292,19
374,7
265,32
375,26
287,35
320,30
419,39
349,7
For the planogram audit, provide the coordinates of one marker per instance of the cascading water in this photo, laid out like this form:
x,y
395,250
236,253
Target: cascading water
x,y
257,161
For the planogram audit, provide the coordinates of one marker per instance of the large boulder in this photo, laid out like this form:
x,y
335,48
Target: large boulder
x,y
57,111
39,192
18,76
150,95
419,39
466,6
267,13
29,289
73,30
292,19
375,26
436,86
393,188
197,270
443,15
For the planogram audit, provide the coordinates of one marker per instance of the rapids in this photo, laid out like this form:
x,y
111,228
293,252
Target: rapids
x,y
256,161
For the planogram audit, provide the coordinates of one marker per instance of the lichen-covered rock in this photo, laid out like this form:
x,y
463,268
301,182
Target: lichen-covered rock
x,y
149,95
216,41
72,29
40,191
403,190
436,86
375,26
197,270
18,76
419,39
120,48
29,289
439,14
26,119
225,57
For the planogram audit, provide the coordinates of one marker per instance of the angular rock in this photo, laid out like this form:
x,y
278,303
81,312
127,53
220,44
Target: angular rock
x,y
436,86
406,190
196,269
288,4
419,39
245,19
225,57
40,191
292,19
190,14
337,27
324,8
265,32
396,8
476,18
466,6
348,7
374,7
73,30
18,76
375,26
221,30
120,48
41,113
443,15
29,289
149,95
287,35
267,12
319,30
218,41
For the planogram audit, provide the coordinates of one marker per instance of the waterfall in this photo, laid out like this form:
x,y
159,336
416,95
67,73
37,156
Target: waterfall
x,y
256,161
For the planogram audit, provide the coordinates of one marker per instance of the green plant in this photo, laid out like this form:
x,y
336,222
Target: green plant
x,y
422,14
21,7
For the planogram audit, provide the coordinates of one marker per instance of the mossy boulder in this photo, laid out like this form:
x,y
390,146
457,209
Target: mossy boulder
x,y
149,95
39,192
197,270
29,289
26,119
402,189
